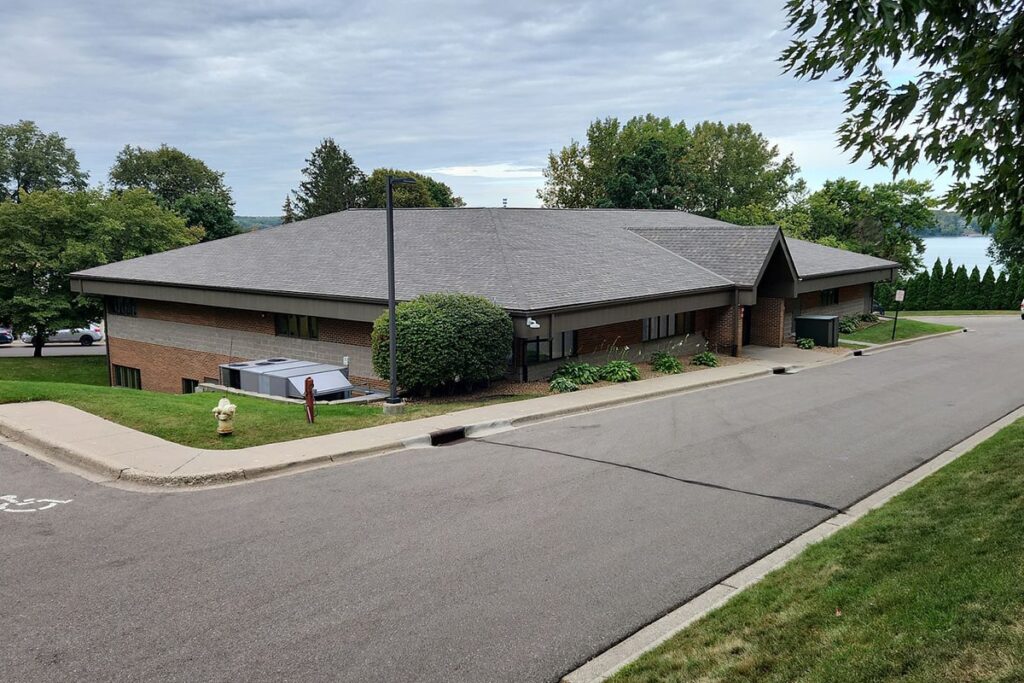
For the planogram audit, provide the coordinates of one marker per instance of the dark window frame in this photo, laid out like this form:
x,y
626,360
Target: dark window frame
x,y
829,297
532,356
127,377
297,326
123,305
658,327
189,386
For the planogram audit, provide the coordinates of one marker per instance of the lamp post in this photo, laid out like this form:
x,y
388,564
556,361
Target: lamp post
x,y
392,399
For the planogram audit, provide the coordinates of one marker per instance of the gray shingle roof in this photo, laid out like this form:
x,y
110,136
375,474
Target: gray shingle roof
x,y
522,259
736,253
817,260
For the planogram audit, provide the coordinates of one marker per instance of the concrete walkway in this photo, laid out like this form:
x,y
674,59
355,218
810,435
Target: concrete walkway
x,y
111,451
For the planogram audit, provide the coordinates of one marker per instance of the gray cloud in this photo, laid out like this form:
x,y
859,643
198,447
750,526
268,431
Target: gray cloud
x,y
474,92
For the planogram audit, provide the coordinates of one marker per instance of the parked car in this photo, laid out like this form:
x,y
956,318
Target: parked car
x,y
86,336
6,335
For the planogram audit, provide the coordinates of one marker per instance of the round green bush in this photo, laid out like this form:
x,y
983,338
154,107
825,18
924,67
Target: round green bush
x,y
562,385
664,362
445,341
848,325
805,343
578,372
705,358
619,371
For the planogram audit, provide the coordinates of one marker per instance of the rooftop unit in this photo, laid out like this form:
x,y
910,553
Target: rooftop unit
x,y
287,377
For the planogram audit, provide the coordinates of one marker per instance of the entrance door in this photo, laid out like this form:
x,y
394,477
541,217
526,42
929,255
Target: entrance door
x,y
746,325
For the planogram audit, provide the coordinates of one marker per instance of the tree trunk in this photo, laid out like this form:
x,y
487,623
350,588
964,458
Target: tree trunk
x,y
37,346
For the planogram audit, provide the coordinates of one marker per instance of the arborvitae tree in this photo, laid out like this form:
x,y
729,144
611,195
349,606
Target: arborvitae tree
x,y
961,286
986,299
1000,292
974,289
288,210
333,182
936,292
948,285
1014,288
917,292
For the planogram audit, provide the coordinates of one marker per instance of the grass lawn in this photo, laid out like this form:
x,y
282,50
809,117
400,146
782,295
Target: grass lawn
x,y
929,587
932,313
881,333
186,419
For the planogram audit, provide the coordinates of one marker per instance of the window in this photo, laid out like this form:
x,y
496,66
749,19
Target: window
x,y
659,327
122,305
301,326
129,378
686,323
829,297
538,350
563,345
188,386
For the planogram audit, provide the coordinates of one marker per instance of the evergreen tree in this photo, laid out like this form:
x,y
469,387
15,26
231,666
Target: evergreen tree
x,y
332,182
917,292
961,285
987,298
936,293
1014,288
288,210
948,285
974,289
1000,292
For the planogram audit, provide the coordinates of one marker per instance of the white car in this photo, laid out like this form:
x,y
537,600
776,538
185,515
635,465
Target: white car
x,y
86,336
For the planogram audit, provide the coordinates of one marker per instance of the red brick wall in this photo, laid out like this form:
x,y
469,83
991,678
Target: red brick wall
x,y
593,339
191,314
721,330
352,332
163,367
766,318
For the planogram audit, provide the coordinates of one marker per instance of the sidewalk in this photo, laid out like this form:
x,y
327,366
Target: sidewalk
x,y
115,452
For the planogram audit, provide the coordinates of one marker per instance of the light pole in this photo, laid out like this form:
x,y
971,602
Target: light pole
x,y
392,341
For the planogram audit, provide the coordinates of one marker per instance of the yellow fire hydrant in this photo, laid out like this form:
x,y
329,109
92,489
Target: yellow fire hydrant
x,y
225,414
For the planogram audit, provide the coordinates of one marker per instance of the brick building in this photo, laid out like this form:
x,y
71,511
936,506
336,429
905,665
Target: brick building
x,y
577,283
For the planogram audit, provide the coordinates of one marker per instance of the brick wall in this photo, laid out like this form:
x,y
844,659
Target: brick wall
x,y
721,329
352,332
210,316
163,367
594,339
766,321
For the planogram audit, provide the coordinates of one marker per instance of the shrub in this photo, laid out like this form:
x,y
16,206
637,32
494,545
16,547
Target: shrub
x,y
848,325
805,343
665,362
705,358
619,371
445,341
869,317
562,385
578,372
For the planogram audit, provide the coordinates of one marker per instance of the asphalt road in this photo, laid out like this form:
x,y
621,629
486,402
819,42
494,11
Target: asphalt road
x,y
511,559
18,350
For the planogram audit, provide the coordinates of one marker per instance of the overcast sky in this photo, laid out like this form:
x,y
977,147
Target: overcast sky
x,y
472,93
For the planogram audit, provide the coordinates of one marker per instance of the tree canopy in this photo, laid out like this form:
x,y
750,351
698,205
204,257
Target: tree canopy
x,y
960,109
331,182
49,234
425,192
31,160
651,162
181,183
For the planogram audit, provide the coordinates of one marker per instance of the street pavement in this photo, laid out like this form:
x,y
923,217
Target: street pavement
x,y
18,350
512,558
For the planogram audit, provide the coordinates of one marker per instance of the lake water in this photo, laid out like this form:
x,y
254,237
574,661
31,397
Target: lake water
x,y
969,251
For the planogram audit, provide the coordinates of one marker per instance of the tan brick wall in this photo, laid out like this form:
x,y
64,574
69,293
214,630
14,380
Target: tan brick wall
x,y
210,316
766,321
163,367
593,339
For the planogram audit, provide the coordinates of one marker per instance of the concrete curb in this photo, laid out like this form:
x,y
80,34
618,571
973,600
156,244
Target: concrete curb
x,y
876,348
606,664
112,469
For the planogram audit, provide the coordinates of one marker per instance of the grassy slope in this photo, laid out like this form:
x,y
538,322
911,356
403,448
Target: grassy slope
x,y
187,419
905,329
934,313
930,587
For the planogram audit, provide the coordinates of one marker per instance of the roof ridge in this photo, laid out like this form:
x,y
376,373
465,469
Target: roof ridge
x,y
679,256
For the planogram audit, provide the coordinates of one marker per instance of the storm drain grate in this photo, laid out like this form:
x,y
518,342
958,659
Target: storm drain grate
x,y
447,436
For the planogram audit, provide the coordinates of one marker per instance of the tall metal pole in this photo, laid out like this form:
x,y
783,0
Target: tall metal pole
x,y
392,341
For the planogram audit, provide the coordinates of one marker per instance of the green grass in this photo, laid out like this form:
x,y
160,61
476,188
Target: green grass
x,y
186,419
932,313
852,345
881,333
929,587
71,369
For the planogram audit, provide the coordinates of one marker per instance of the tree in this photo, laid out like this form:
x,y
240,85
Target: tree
x,y
973,298
1000,292
962,108
49,234
425,192
288,210
936,293
444,342
987,295
643,179
181,183
332,182
31,160
948,285
961,290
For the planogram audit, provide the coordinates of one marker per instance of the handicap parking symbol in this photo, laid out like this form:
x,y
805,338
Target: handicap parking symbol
x,y
10,503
